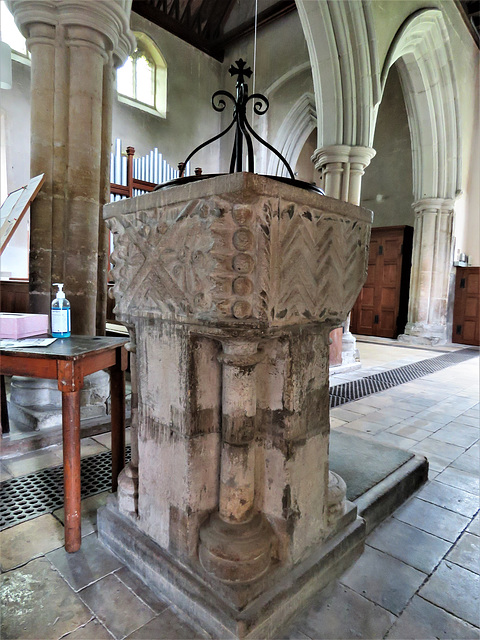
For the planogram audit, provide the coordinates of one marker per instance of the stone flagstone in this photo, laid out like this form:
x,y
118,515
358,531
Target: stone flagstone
x,y
37,603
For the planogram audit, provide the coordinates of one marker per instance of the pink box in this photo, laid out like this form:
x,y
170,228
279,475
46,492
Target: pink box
x,y
22,325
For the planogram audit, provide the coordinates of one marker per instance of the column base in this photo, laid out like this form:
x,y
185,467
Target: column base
x,y
422,333
337,503
350,355
257,610
127,491
237,553
36,403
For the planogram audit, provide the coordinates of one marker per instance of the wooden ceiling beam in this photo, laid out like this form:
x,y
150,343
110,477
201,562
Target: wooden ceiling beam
x,y
177,28
277,10
200,28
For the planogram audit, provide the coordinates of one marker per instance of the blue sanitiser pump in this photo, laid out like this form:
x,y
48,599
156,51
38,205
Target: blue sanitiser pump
x,y
61,327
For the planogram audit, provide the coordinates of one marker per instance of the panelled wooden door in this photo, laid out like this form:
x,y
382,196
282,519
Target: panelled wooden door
x,y
381,308
466,308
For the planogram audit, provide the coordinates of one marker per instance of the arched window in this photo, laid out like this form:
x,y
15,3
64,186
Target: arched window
x,y
142,81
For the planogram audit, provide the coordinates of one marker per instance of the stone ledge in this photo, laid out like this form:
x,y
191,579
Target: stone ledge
x,y
381,500
288,591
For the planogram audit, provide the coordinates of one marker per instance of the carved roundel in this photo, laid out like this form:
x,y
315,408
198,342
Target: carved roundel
x,y
242,215
243,239
242,286
242,309
243,263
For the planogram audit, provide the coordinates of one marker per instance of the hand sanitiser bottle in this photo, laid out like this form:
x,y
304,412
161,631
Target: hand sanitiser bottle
x,y
60,314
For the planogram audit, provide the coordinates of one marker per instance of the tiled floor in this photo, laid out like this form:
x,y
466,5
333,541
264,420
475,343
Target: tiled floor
x,y
418,578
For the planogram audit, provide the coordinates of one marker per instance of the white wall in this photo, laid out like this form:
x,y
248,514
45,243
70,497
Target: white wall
x,y
387,184
15,133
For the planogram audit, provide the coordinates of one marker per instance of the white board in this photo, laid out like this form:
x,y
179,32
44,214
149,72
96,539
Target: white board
x,y
14,208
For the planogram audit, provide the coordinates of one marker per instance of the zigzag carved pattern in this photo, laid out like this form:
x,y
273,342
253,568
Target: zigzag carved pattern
x,y
266,214
317,250
356,237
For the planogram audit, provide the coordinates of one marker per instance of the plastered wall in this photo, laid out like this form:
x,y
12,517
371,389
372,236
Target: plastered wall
x,y
387,184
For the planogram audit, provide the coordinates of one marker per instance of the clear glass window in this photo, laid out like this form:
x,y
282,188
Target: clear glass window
x,y
136,79
142,81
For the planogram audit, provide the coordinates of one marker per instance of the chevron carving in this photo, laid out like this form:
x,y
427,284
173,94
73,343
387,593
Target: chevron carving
x,y
322,265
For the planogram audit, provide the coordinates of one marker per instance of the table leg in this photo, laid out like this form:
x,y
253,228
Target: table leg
x,y
117,394
71,469
5,424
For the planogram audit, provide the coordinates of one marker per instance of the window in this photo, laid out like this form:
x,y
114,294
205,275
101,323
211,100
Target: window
x,y
12,36
142,81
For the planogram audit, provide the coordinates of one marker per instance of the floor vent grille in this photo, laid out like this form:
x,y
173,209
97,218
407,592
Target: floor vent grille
x,y
357,389
42,492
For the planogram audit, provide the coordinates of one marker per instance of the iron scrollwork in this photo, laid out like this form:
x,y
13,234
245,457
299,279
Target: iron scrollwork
x,y
243,129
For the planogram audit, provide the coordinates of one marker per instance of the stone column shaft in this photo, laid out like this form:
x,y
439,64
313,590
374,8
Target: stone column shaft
x,y
84,164
42,48
128,479
431,265
239,406
71,42
74,45
103,232
342,168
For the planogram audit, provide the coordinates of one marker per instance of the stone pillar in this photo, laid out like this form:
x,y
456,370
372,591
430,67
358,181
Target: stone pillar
x,y
239,408
127,490
342,168
431,266
74,46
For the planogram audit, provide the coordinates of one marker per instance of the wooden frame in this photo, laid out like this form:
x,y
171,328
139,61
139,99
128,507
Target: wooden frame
x,y
15,207
132,183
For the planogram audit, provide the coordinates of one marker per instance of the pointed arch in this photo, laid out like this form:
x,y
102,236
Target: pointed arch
x,y
345,69
421,51
300,121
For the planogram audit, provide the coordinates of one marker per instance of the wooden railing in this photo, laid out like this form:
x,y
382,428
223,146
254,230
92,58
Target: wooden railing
x,y
133,184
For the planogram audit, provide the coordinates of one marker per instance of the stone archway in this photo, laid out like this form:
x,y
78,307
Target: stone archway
x,y
421,51
346,82
299,123
348,87
345,70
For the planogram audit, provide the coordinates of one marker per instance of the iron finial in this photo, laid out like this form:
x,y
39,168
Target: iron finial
x,y
243,129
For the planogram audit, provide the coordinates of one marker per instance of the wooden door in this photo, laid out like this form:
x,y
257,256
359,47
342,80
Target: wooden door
x,y
381,308
466,309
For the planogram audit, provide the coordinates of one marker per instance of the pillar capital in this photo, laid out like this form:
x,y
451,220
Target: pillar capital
x,y
342,153
106,21
434,205
342,168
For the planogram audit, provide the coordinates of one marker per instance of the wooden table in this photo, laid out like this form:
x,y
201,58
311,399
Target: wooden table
x,y
69,360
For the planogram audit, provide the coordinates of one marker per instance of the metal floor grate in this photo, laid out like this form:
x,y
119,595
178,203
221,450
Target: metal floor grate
x,y
42,492
27,497
357,389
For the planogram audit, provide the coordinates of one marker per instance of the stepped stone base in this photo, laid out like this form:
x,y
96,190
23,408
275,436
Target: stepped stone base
x,y
257,610
36,403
